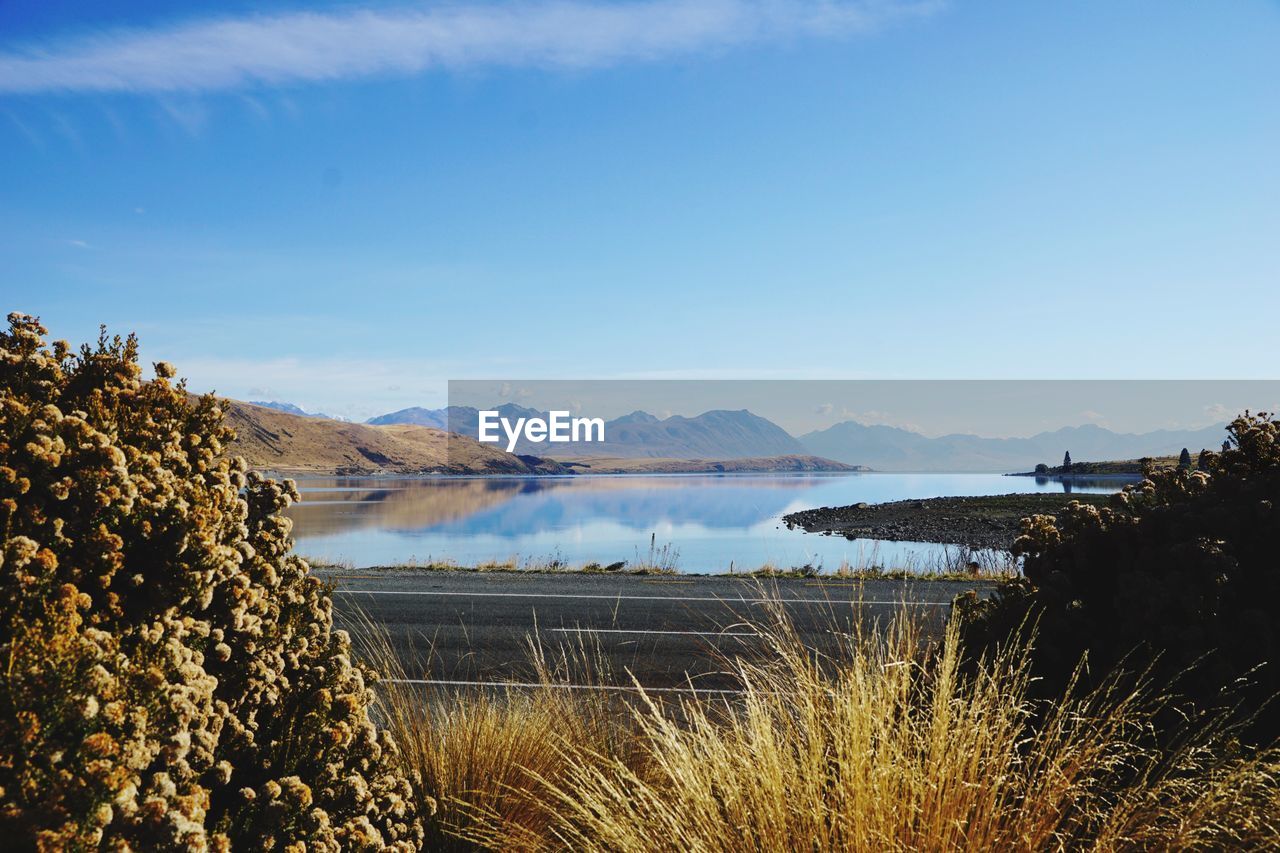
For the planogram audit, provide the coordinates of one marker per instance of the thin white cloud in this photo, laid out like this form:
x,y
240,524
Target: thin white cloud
x,y
874,417
118,125
66,128
228,53
26,130
256,107
353,388
189,115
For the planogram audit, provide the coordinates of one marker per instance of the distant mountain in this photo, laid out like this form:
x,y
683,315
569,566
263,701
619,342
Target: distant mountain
x,y
716,434
291,409
464,420
887,448
280,407
435,418
636,417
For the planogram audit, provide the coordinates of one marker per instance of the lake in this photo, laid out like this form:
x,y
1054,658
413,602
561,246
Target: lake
x,y
711,522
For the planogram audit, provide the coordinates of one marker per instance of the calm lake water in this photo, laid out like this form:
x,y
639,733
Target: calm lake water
x,y
712,522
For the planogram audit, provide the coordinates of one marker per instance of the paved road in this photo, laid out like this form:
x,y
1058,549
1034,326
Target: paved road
x,y
669,632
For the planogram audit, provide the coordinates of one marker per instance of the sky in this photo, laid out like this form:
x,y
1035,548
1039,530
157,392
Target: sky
x,y
345,205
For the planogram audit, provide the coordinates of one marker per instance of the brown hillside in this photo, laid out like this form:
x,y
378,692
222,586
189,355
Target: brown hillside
x,y
273,440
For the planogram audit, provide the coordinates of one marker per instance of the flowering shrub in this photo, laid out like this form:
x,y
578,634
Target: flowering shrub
x,y
169,672
1180,573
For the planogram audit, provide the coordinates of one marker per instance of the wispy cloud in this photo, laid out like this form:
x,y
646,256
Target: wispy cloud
x,y
874,417
229,53
26,130
189,115
351,387
1217,411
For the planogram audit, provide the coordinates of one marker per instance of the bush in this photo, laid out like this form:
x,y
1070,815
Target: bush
x,y
171,674
1179,573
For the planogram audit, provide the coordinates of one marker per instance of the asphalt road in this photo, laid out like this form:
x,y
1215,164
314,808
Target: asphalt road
x,y
670,633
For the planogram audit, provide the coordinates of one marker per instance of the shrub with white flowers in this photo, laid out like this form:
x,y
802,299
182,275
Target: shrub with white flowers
x,y
170,676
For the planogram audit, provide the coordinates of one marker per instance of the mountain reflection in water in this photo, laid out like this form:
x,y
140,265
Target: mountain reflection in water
x,y
713,520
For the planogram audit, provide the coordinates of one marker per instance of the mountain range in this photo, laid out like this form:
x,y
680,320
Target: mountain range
x,y
277,439
889,448
725,434
718,434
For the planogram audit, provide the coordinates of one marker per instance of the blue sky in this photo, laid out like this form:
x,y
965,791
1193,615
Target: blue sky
x,y
345,205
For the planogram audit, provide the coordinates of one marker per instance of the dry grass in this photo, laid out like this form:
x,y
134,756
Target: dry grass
x,y
883,745
660,559
948,562
481,755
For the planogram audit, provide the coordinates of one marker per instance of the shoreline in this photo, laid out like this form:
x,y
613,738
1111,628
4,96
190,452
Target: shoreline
x,y
991,522
1122,477
654,574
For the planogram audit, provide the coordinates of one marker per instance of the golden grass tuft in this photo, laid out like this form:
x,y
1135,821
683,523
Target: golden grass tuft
x,y
482,755
884,744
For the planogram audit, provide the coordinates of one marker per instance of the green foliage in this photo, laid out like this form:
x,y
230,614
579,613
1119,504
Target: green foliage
x,y
1179,573
171,674
1184,460
1066,462
1042,468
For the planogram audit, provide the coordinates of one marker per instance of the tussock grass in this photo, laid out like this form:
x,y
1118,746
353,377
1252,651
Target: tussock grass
x,y
480,756
948,562
660,560
883,744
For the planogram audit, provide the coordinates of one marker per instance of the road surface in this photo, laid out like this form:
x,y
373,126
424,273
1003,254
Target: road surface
x,y
669,633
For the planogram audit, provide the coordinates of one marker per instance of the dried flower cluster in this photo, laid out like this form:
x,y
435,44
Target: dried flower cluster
x,y
1180,573
169,672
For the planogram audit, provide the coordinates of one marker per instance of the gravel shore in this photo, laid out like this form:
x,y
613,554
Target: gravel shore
x,y
979,522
